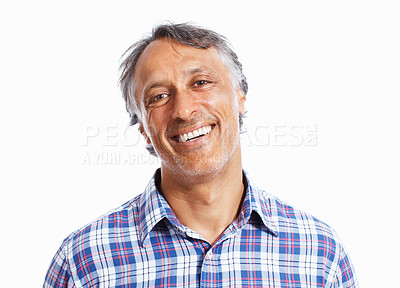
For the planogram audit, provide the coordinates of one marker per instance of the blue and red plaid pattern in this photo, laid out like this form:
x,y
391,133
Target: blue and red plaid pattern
x,y
143,244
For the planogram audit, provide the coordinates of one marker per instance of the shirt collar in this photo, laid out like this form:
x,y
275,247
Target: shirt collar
x,y
256,201
153,208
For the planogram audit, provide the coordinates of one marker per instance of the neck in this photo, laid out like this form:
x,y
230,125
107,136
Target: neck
x,y
207,207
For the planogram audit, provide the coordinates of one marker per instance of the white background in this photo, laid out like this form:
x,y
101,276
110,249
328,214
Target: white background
x,y
334,65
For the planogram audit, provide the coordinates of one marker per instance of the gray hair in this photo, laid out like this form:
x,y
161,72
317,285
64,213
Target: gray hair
x,y
185,34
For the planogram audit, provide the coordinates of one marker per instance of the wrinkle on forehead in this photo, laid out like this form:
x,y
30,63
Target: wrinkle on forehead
x,y
156,54
175,46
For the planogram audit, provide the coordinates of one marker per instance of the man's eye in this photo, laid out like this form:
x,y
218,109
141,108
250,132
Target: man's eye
x,y
158,98
201,82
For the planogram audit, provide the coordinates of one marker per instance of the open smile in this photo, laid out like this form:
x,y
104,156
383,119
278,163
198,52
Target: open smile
x,y
194,134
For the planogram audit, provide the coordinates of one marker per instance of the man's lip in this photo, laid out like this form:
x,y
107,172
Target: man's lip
x,y
195,138
186,130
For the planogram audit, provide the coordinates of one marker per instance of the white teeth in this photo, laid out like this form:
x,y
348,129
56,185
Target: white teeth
x,y
201,131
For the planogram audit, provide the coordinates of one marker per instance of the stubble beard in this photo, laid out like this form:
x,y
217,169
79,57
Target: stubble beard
x,y
201,167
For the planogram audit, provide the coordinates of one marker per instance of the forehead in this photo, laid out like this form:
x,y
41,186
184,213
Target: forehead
x,y
164,57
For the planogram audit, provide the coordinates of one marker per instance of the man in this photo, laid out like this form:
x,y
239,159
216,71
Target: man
x,y
200,222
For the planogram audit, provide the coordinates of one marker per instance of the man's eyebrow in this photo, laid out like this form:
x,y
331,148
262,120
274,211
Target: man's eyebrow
x,y
207,71
197,70
154,85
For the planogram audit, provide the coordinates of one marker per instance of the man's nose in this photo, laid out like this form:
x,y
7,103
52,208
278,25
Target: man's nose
x,y
185,105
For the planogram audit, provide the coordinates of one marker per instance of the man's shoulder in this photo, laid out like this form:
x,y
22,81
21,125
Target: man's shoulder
x,y
289,219
120,220
127,223
300,234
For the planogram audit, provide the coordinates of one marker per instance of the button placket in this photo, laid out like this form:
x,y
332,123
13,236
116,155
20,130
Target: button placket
x,y
206,271
209,255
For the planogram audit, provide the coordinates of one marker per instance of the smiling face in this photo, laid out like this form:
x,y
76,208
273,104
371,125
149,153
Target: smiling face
x,y
188,108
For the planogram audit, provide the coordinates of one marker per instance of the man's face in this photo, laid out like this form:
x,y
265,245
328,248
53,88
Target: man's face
x,y
188,107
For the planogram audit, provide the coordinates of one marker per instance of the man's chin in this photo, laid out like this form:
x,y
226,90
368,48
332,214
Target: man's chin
x,y
198,170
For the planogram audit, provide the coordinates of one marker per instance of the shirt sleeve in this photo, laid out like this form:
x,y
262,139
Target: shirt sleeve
x,y
345,276
58,275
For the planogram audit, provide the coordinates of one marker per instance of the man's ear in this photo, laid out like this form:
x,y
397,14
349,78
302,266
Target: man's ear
x,y
143,132
241,100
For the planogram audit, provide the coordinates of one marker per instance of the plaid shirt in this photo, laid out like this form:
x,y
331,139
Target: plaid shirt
x,y
143,244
